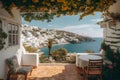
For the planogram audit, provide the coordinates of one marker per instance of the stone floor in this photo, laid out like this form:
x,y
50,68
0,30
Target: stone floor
x,y
54,71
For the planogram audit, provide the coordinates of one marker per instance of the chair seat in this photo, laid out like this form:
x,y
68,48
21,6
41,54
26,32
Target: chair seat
x,y
23,70
93,72
15,69
94,68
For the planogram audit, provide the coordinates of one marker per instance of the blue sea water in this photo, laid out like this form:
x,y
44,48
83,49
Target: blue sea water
x,y
78,48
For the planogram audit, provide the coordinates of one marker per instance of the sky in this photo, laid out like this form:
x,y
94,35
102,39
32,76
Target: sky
x,y
87,26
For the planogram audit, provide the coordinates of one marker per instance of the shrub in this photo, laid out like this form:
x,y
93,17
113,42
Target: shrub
x,y
71,59
111,70
43,58
3,36
59,54
30,49
89,51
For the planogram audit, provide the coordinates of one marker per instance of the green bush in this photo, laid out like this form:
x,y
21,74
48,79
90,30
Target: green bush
x,y
111,71
3,36
71,59
43,58
59,54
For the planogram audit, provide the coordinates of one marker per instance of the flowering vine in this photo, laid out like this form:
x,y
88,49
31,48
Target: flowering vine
x,y
58,7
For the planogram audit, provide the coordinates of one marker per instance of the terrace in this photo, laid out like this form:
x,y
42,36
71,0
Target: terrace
x,y
55,71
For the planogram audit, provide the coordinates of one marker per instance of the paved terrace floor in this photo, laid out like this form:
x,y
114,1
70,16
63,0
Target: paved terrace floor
x,y
55,71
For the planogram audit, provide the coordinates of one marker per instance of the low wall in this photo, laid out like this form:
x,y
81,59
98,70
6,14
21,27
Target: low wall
x,y
6,53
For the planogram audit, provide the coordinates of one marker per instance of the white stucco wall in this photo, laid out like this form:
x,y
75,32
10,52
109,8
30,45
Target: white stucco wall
x,y
5,53
108,31
30,59
115,8
9,51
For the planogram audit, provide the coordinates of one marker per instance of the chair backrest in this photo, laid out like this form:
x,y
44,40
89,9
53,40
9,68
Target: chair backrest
x,y
12,63
95,65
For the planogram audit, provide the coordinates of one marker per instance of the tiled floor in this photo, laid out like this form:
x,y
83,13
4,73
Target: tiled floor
x,y
55,71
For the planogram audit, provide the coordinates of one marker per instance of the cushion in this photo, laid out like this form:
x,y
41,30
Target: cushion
x,y
14,67
12,63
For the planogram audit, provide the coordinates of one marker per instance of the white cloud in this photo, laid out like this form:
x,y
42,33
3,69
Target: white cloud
x,y
97,20
50,25
91,30
84,26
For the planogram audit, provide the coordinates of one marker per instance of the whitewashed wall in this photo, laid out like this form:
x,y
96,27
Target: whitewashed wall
x,y
112,36
9,51
5,53
112,33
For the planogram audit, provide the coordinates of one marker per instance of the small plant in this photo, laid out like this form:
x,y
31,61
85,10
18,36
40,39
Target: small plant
x,y
59,54
30,49
71,59
89,51
3,36
43,58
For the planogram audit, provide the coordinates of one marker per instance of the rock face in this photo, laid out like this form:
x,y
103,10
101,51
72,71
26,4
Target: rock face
x,y
38,37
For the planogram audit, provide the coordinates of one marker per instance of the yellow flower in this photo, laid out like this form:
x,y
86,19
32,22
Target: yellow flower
x,y
61,1
74,5
35,1
64,8
11,6
88,2
52,0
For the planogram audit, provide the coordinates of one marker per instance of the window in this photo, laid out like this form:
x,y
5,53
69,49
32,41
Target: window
x,y
13,33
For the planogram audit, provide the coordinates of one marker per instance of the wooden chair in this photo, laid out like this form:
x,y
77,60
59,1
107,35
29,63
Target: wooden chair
x,y
94,68
15,69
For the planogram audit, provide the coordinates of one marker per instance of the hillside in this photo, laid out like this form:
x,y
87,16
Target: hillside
x,y
38,37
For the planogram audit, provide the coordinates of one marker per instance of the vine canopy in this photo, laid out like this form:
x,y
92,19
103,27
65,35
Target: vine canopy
x,y
47,9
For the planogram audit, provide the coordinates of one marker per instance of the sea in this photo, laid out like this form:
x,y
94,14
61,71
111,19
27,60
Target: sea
x,y
78,47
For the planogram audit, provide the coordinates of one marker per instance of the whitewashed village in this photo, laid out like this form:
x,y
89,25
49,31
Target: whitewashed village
x,y
37,37
13,46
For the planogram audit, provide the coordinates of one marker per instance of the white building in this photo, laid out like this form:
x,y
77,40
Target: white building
x,y
111,26
12,47
12,26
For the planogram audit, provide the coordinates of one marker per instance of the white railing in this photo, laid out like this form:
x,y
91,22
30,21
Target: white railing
x,y
30,59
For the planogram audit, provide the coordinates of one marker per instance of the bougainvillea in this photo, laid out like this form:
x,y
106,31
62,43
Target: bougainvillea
x,y
111,70
57,8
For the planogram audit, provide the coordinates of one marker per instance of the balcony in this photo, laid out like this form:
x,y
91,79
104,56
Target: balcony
x,y
54,71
